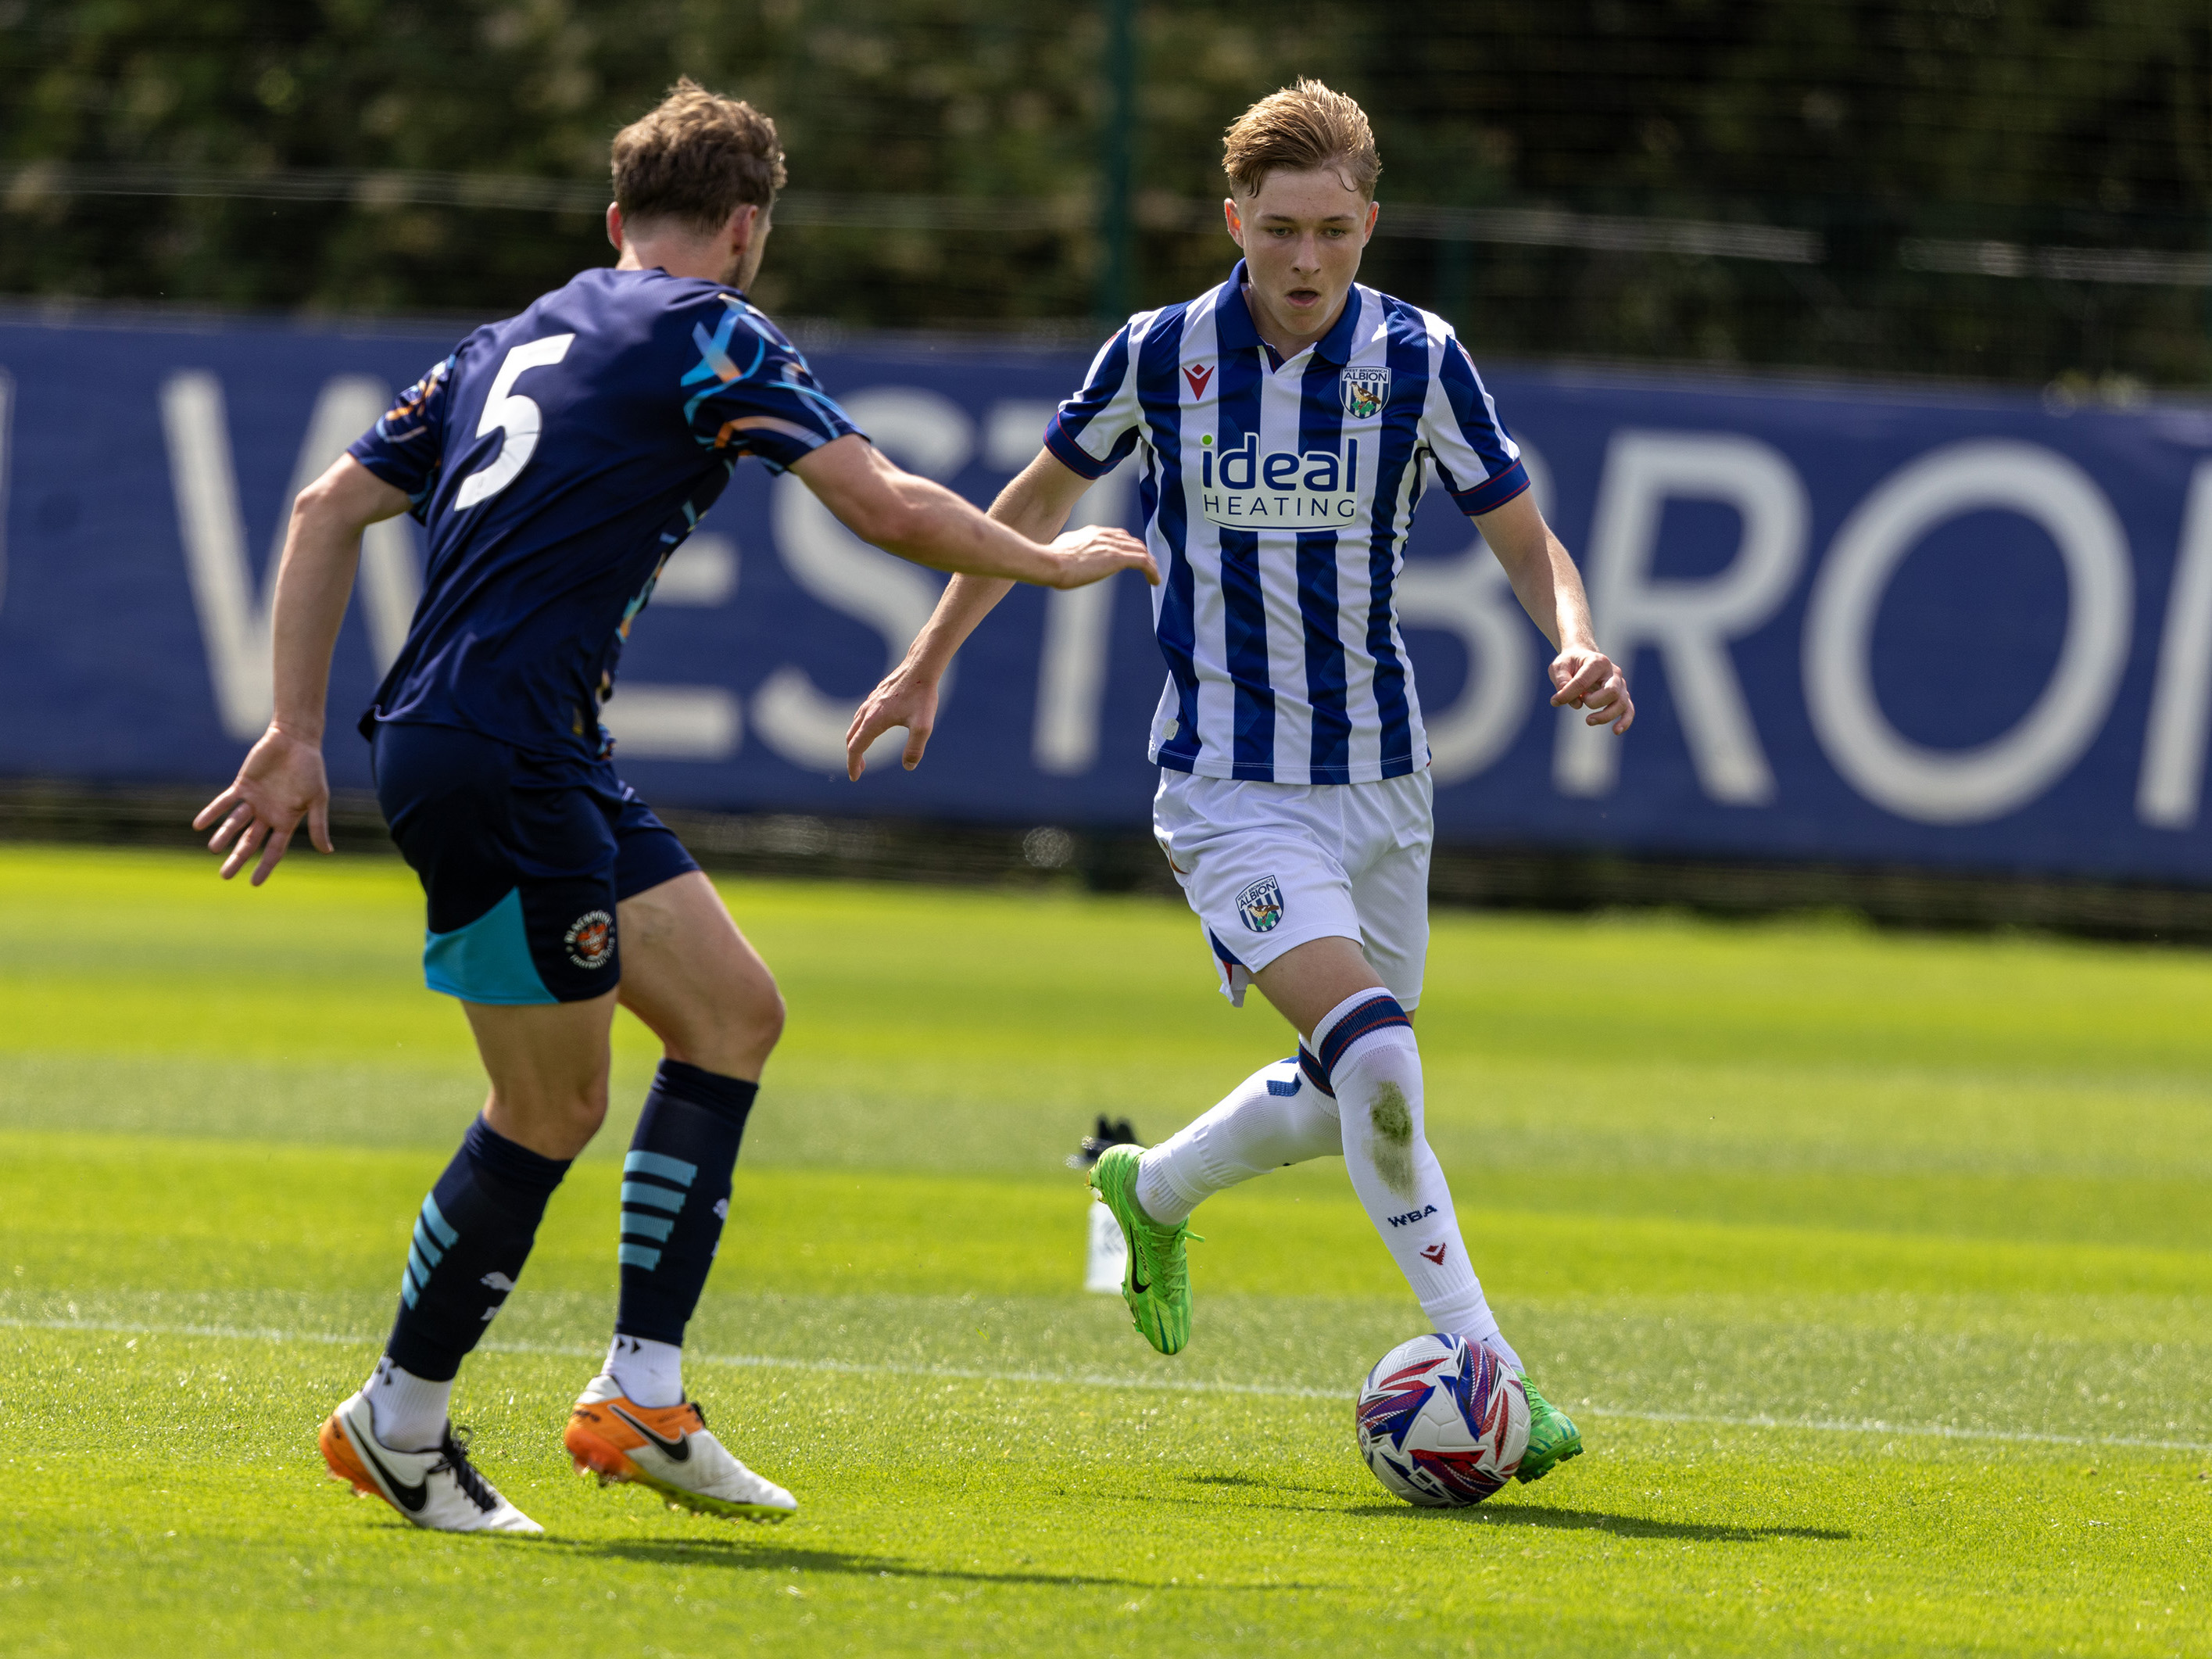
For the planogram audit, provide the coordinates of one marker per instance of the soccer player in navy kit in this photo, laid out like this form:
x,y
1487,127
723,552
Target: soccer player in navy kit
x,y
1288,423
556,460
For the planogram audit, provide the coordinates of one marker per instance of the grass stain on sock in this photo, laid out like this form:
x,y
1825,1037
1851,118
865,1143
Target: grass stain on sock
x,y
1390,1139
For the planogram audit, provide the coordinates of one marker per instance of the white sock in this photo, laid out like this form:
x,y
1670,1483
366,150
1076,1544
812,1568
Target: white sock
x,y
649,1372
408,1411
1274,1117
1374,1065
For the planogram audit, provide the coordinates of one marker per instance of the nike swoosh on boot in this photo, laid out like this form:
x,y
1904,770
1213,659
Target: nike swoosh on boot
x,y
677,1451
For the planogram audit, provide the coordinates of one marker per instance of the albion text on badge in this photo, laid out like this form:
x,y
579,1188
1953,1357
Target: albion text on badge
x,y
1260,906
1365,390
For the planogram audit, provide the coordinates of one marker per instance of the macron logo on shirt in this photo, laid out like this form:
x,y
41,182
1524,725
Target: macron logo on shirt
x,y
1283,490
1200,376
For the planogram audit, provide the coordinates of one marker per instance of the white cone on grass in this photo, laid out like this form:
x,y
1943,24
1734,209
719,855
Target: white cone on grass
x,y
1108,1258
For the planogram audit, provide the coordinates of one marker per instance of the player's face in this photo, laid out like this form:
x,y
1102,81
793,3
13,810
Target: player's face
x,y
1303,235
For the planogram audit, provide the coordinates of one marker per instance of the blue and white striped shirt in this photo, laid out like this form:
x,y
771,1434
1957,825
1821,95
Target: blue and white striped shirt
x,y
1277,497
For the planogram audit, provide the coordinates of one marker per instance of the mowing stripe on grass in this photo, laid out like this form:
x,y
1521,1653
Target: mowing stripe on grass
x,y
1103,1380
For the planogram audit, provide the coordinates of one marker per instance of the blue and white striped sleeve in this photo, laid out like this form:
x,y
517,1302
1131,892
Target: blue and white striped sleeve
x,y
1477,460
1093,432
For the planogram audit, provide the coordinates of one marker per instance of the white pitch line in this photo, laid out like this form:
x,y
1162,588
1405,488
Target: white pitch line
x,y
1876,1426
1103,1380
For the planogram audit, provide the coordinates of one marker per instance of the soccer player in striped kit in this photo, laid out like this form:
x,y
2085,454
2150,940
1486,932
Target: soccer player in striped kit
x,y
1287,423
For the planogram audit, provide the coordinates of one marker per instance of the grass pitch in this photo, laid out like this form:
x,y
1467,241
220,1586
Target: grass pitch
x,y
1875,1270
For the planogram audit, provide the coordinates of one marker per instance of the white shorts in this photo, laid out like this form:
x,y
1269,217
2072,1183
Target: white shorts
x,y
1268,867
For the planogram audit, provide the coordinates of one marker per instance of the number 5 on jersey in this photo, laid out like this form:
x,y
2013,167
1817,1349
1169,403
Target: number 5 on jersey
x,y
518,417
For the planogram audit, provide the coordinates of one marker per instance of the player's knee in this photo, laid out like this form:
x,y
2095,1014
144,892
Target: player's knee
x,y
583,1111
761,1017
556,1119
732,1029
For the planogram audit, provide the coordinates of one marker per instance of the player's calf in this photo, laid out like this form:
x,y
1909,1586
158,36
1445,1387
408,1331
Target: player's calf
x,y
1367,1047
472,1235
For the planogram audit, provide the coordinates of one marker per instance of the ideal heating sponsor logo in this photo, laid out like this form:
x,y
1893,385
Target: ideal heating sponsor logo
x,y
1282,490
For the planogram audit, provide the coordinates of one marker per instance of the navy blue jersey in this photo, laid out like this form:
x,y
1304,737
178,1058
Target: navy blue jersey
x,y
557,459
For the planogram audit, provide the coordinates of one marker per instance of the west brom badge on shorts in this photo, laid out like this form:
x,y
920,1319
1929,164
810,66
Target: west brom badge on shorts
x,y
1260,905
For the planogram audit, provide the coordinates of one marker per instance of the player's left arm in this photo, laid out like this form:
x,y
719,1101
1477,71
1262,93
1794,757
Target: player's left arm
x,y
1481,466
1037,504
282,778
1550,590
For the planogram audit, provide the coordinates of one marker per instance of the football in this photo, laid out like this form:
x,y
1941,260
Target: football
x,y
1442,1424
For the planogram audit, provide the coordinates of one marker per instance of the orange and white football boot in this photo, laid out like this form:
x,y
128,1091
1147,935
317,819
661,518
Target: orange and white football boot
x,y
670,1450
438,1489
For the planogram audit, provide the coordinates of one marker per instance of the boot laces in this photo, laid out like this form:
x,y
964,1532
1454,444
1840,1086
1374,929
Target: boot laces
x,y
1170,1267
454,1458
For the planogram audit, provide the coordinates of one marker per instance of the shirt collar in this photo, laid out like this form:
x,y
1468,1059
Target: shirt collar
x,y
1235,330
1232,321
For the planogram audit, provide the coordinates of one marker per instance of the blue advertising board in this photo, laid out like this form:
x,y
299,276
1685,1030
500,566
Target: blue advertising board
x,y
1863,624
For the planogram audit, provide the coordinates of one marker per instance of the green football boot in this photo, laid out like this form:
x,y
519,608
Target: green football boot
x,y
1157,1282
1552,1437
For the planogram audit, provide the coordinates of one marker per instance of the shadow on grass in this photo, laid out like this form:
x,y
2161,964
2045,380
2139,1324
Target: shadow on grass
x,y
743,1555
1261,1485
1620,1526
1510,1514
1264,1495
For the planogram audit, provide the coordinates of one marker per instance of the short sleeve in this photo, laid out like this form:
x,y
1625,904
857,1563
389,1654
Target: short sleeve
x,y
407,445
1093,432
751,391
1476,460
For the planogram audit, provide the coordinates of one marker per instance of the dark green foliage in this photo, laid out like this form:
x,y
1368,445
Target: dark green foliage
x,y
2041,122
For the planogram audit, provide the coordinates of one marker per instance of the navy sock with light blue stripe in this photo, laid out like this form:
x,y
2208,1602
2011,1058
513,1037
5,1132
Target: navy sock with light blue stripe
x,y
676,1195
470,1240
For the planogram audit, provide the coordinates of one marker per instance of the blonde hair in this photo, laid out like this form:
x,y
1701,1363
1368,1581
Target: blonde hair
x,y
695,158
1301,128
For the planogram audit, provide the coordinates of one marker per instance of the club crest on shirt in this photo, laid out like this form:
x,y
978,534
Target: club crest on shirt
x,y
1260,906
591,940
1365,390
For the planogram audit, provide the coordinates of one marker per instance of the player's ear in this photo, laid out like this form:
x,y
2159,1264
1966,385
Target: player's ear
x,y
1374,212
1233,219
615,225
745,226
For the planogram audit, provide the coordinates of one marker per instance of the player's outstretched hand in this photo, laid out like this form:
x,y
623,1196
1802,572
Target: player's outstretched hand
x,y
902,699
281,782
1096,552
1587,678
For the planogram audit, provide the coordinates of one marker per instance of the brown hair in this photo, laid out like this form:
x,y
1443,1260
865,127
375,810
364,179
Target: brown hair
x,y
1301,127
695,158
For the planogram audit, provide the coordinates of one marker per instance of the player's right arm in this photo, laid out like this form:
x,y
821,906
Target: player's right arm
x,y
922,520
282,780
1034,506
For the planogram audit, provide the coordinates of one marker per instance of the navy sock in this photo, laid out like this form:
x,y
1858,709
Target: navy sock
x,y
470,1243
676,1195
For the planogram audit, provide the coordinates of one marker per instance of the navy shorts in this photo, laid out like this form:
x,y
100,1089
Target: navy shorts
x,y
523,868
